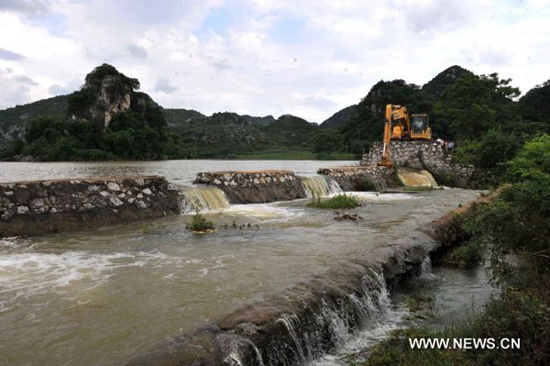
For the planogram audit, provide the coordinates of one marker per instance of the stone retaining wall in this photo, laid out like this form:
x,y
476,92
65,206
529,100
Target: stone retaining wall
x,y
50,206
428,155
349,178
255,186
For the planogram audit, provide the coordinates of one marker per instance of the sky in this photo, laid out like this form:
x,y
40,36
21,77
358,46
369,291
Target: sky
x,y
309,58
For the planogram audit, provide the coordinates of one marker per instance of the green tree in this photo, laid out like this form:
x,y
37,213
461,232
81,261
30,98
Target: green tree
x,y
535,107
518,221
490,151
327,142
475,104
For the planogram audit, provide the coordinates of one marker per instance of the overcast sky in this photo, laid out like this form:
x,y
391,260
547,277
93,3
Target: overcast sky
x,y
307,58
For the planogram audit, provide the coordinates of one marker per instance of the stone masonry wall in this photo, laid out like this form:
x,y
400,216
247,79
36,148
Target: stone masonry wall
x,y
255,186
349,178
50,206
427,155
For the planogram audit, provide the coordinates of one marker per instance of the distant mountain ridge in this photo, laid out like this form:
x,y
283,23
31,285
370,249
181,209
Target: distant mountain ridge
x,y
339,118
14,119
441,81
227,134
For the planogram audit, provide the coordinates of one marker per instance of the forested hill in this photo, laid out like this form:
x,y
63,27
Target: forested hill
x,y
109,118
339,118
13,120
474,110
441,81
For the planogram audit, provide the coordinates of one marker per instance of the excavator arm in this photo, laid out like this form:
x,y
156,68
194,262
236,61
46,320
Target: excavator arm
x,y
387,139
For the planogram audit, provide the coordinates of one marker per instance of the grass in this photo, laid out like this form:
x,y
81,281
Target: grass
x,y
516,314
289,154
199,224
336,202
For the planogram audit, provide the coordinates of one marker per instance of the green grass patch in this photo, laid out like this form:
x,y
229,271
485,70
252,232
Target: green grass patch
x,y
199,224
336,202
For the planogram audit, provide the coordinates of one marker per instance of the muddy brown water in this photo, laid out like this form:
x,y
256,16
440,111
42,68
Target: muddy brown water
x,y
103,296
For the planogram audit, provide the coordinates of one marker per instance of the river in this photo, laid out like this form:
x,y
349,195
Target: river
x,y
99,297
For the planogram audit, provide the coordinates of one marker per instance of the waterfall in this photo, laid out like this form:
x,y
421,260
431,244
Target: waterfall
x,y
330,324
426,271
203,198
242,352
416,178
320,185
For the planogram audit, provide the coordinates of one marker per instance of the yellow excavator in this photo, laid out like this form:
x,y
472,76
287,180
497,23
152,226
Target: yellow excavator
x,y
398,127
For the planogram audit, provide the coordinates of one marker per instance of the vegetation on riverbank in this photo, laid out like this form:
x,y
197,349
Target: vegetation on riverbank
x,y
337,202
467,255
515,315
515,230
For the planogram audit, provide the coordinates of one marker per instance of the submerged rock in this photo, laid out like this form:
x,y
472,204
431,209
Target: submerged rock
x,y
347,216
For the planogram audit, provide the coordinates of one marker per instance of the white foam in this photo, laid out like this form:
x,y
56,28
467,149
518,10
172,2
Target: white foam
x,y
34,272
379,197
10,242
366,338
267,211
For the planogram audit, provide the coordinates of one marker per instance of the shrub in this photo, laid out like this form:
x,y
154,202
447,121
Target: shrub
x,y
199,224
339,201
467,255
490,151
514,315
366,184
518,222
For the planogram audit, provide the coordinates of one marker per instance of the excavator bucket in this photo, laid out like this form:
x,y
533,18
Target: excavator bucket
x,y
386,163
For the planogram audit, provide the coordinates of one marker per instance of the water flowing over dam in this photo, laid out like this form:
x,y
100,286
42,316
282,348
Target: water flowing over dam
x,y
203,198
416,178
320,186
112,295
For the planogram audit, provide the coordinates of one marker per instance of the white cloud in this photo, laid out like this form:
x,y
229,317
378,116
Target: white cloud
x,y
25,7
261,57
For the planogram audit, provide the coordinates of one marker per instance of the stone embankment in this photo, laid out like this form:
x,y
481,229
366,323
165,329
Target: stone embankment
x,y
255,186
50,206
428,155
352,178
307,320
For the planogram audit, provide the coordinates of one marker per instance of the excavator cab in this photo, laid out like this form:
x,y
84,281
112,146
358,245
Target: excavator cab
x,y
420,129
399,127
